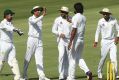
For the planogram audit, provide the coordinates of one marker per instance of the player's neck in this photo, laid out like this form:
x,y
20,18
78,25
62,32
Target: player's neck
x,y
107,19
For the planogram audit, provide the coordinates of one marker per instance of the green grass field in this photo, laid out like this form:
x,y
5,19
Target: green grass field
x,y
22,9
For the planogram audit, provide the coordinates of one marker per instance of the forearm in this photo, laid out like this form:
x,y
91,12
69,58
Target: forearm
x,y
55,29
73,33
97,35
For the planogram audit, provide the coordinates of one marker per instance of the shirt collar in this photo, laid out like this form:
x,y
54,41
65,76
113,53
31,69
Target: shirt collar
x,y
107,21
34,16
79,13
7,21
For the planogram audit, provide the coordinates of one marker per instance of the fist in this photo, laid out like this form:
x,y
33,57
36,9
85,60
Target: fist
x,y
95,44
62,35
20,33
116,40
44,11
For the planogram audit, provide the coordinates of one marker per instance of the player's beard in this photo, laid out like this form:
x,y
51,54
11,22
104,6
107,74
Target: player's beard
x,y
9,19
64,16
107,18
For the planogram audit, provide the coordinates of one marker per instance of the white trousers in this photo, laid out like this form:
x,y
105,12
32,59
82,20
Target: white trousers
x,y
75,58
34,47
107,46
63,61
8,53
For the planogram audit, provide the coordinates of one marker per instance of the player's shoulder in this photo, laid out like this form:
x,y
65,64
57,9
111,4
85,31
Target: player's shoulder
x,y
76,16
113,18
101,20
58,18
79,16
3,21
31,17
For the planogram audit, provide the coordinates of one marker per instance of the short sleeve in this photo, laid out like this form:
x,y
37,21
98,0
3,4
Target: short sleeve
x,y
74,22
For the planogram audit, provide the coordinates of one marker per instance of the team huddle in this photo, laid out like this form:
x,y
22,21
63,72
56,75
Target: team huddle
x,y
70,33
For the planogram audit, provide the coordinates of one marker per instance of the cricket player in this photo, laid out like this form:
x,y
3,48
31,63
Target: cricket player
x,y
76,43
108,27
7,48
34,43
62,28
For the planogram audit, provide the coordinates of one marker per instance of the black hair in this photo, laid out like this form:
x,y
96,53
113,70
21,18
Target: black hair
x,y
8,12
78,8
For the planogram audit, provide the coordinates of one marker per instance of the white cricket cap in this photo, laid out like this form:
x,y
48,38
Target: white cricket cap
x,y
35,7
65,9
105,10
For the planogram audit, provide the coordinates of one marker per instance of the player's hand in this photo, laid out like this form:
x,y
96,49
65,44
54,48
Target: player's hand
x,y
69,46
62,35
68,18
116,40
20,33
95,44
44,11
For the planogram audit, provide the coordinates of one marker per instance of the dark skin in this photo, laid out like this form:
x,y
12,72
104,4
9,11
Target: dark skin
x,y
65,15
73,34
106,16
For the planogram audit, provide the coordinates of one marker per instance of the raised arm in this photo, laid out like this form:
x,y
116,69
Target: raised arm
x,y
35,20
